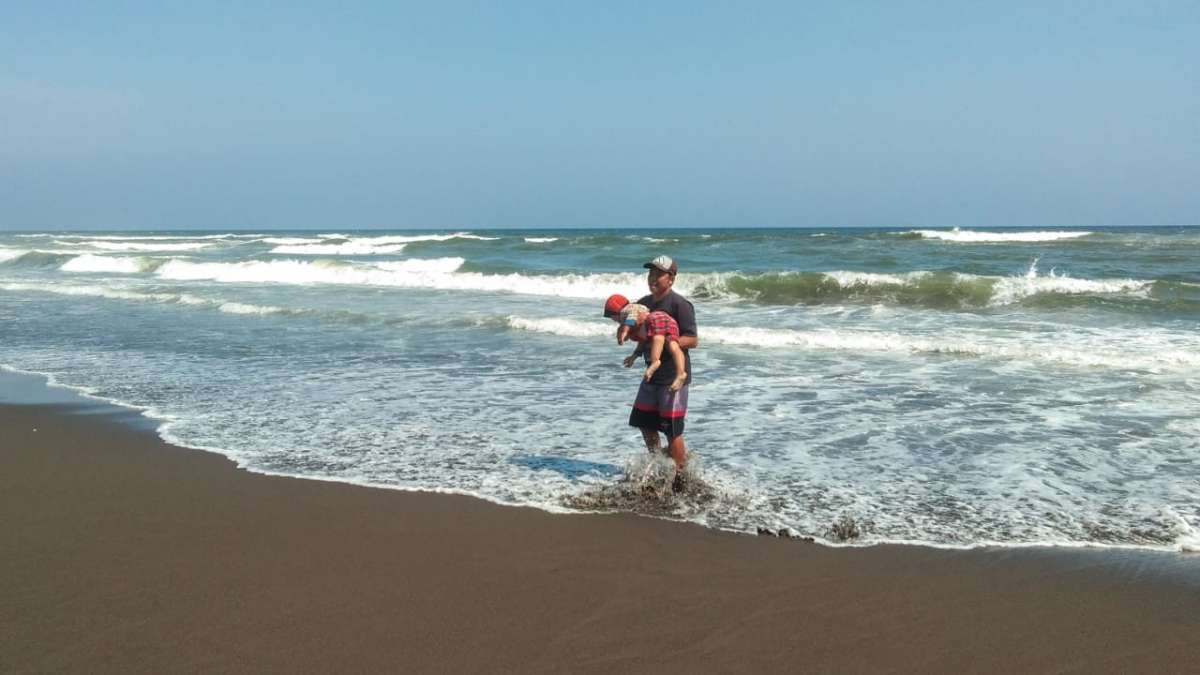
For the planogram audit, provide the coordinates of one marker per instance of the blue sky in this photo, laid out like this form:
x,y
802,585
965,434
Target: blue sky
x,y
473,115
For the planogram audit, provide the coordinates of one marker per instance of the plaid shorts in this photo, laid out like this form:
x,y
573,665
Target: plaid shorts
x,y
657,407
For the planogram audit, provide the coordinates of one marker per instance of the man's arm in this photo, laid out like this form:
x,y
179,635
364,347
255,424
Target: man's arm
x,y
689,338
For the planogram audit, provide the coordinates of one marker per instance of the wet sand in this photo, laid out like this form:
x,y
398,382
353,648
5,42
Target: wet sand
x,y
120,553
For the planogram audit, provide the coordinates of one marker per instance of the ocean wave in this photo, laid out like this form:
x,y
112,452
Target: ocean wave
x,y
335,244
110,293
1153,358
293,240
140,237
110,264
411,238
540,240
979,237
91,291
413,272
345,248
555,326
7,254
245,308
945,290
434,273
136,246
920,288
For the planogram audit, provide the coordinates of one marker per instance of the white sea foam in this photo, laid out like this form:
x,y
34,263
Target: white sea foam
x,y
110,293
347,248
290,241
567,327
540,240
135,246
140,237
1003,290
1151,357
112,264
408,239
1008,290
978,237
245,308
360,245
438,265
91,291
435,273
7,254
848,279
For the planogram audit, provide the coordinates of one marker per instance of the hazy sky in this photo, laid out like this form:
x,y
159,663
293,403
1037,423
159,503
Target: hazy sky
x,y
606,114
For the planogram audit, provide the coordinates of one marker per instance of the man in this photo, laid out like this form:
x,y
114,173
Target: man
x,y
657,408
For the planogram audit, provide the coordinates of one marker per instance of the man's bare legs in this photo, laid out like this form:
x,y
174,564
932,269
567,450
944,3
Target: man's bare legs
x,y
675,448
650,436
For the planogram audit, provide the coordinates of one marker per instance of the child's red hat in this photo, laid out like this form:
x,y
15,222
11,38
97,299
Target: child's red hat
x,y
614,304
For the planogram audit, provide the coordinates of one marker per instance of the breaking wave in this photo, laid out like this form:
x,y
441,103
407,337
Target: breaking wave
x,y
141,247
978,237
433,273
1153,358
189,299
110,264
7,254
345,248
943,290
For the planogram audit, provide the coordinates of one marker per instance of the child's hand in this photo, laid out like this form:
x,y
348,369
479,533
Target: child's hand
x,y
630,360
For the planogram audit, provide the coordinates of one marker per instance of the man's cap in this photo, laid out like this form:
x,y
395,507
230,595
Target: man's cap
x,y
614,304
632,311
663,263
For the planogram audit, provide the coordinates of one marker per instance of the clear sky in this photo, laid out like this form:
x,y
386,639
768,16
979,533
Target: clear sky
x,y
607,114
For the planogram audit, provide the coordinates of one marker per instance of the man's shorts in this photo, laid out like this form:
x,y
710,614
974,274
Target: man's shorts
x,y
657,407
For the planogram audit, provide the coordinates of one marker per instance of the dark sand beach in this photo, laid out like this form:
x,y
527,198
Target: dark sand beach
x,y
121,553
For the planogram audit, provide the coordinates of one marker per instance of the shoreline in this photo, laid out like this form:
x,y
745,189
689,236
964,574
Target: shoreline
x,y
123,553
20,387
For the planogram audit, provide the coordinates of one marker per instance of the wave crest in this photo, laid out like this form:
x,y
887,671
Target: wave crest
x,y
941,290
89,263
978,237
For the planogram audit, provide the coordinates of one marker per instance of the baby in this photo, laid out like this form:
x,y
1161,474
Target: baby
x,y
657,329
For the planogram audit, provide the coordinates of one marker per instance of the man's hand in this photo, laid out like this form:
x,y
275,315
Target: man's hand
x,y
630,360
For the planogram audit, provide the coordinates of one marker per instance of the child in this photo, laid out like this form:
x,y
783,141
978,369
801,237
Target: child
x,y
656,329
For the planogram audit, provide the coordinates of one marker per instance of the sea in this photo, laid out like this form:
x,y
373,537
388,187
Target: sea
x,y
960,387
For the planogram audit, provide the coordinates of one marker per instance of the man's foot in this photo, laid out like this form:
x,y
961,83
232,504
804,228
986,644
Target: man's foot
x,y
679,380
679,485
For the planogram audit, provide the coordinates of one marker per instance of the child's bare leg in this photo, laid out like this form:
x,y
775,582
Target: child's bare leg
x,y
680,365
656,350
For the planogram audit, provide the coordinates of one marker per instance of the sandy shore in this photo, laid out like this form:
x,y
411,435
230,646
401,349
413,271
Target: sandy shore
x,y
119,553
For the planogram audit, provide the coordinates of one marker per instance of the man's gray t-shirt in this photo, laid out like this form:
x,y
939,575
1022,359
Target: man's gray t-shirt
x,y
680,309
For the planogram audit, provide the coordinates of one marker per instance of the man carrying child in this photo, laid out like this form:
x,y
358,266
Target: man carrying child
x,y
659,408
